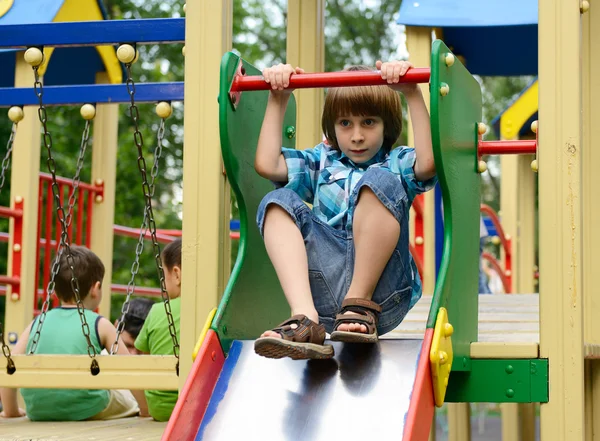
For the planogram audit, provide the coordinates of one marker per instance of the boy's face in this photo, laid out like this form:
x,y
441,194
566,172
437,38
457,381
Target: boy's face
x,y
359,137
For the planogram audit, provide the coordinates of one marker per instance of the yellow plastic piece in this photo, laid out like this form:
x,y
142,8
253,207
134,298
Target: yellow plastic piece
x,y
5,6
183,51
534,126
449,59
34,56
584,6
164,110
15,114
519,112
441,356
126,53
88,111
205,329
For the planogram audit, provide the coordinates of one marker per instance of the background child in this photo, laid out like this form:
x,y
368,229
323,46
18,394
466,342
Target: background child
x,y
345,265
134,320
62,334
155,337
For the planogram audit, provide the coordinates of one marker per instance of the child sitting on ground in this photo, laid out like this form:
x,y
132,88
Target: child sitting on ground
x,y
344,266
155,338
134,321
62,334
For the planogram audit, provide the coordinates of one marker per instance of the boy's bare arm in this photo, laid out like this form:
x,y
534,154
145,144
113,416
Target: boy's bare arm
x,y
419,116
108,334
269,162
392,72
8,396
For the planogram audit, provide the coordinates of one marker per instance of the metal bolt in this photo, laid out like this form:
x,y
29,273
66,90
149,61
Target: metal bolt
x,y
509,369
510,393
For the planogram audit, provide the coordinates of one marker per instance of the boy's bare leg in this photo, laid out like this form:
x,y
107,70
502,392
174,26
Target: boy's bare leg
x,y
376,233
287,252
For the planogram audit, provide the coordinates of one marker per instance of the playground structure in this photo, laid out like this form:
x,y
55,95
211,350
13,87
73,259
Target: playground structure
x,y
564,345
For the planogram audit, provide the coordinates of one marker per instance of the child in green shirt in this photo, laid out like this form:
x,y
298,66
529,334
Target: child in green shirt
x,y
154,338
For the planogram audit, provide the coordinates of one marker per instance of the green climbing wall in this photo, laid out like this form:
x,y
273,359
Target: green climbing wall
x,y
253,300
454,119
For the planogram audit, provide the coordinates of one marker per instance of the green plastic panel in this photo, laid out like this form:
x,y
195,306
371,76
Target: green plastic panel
x,y
253,300
454,119
500,381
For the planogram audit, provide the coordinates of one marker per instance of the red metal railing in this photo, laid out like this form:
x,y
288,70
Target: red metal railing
x,y
418,251
243,83
507,147
14,279
506,274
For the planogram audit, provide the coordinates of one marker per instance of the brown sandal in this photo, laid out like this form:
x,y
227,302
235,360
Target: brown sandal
x,y
301,343
365,313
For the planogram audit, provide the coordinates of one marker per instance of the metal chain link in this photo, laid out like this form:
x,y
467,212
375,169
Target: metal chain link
x,y
85,139
139,142
10,364
7,156
64,238
139,248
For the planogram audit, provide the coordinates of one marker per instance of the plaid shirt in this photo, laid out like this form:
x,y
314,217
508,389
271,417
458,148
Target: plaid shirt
x,y
325,178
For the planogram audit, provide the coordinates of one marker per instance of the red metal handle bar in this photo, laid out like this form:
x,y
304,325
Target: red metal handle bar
x,y
330,79
9,212
69,182
7,280
507,147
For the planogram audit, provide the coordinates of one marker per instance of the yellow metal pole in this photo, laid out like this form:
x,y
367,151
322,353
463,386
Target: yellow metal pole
x,y
561,300
591,207
104,170
525,252
527,421
305,47
510,421
418,43
208,37
459,422
24,182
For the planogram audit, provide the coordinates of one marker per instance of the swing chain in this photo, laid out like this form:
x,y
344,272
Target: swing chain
x,y
10,364
139,248
64,238
85,139
139,142
6,159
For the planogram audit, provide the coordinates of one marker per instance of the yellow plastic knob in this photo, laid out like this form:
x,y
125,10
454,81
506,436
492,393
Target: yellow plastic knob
x,y
534,126
88,111
481,128
584,6
534,165
496,240
34,56
164,109
183,51
15,114
481,166
449,59
419,240
443,357
444,89
448,330
126,53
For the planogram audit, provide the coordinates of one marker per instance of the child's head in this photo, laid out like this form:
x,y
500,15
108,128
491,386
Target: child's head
x,y
360,121
134,320
171,261
89,271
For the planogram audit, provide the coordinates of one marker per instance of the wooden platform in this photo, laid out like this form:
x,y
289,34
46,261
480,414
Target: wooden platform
x,y
126,429
508,325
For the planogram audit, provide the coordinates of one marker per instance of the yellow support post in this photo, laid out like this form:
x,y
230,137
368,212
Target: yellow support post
x,y
510,421
561,300
208,37
459,422
306,48
104,171
418,43
24,182
591,207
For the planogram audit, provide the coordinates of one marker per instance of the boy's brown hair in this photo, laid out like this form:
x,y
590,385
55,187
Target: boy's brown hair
x,y
363,101
88,267
171,254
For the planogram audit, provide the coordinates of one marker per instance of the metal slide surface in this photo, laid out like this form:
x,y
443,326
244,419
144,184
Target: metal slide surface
x,y
361,393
